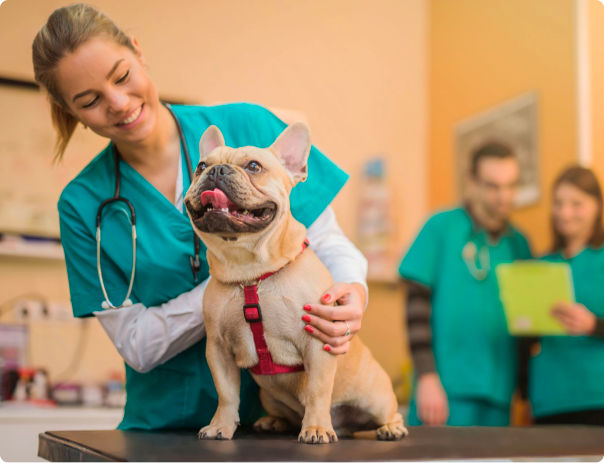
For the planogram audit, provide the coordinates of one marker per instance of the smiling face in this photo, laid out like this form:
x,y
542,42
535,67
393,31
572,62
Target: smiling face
x,y
245,190
574,212
106,87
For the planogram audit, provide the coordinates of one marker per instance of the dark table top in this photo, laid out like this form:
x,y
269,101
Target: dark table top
x,y
423,443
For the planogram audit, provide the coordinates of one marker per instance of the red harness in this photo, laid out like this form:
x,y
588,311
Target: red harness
x,y
253,315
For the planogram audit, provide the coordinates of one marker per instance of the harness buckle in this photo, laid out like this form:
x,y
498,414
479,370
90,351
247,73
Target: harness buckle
x,y
251,313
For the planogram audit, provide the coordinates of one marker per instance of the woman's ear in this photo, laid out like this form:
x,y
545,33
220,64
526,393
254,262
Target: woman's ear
x,y
139,51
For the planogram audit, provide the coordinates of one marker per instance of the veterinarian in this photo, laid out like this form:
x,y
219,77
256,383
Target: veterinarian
x,y
465,361
567,373
95,76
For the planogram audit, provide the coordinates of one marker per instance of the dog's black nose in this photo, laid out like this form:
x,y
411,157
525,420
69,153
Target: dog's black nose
x,y
221,170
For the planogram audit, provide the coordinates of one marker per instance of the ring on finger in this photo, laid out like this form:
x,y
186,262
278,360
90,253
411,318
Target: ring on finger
x,y
347,329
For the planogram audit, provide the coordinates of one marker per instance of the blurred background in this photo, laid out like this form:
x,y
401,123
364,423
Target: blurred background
x,y
394,92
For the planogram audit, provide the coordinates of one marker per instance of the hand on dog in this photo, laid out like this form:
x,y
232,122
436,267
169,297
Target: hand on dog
x,y
328,322
576,318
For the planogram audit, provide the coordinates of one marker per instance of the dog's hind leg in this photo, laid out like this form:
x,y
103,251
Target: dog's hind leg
x,y
280,418
384,408
367,387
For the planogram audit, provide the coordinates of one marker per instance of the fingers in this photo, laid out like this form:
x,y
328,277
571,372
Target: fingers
x,y
433,413
331,334
337,292
572,324
562,305
335,325
339,350
559,311
330,314
346,293
331,329
330,324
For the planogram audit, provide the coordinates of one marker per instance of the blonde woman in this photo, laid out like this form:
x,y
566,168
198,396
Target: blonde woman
x,y
95,75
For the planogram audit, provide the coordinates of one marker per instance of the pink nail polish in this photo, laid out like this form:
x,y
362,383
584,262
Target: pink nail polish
x,y
326,298
306,318
307,308
309,328
327,348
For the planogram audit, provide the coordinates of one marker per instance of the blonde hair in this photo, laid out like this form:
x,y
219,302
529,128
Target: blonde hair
x,y
65,30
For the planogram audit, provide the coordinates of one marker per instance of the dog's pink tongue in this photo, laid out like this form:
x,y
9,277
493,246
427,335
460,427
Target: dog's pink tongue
x,y
217,197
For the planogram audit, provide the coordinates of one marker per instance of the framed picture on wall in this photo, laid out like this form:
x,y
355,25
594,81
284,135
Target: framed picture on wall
x,y
514,123
30,183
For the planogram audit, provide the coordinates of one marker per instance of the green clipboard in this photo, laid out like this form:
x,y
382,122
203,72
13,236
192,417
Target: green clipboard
x,y
528,291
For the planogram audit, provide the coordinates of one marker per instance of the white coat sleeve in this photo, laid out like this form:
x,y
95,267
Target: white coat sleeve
x,y
147,337
341,257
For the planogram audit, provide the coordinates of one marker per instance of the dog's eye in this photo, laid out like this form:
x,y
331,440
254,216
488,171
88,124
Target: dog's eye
x,y
254,166
200,167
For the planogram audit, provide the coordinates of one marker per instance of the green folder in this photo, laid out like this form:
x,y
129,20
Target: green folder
x,y
528,291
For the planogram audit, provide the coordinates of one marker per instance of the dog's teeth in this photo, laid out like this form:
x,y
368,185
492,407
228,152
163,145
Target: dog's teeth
x,y
225,209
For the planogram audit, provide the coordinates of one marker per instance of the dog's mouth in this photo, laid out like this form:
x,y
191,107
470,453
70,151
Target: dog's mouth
x,y
220,214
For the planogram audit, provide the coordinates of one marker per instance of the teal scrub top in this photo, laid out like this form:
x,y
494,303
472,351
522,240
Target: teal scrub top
x,y
567,375
474,354
180,392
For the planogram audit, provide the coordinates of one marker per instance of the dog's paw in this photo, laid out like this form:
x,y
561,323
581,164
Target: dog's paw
x,y
317,435
392,431
271,424
218,432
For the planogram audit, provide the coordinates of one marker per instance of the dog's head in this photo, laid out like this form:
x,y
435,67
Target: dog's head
x,y
238,191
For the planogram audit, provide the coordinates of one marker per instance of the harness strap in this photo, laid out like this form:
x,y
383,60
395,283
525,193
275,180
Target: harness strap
x,y
253,315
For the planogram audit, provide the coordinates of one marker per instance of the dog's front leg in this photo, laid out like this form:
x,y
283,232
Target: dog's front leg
x,y
227,379
320,370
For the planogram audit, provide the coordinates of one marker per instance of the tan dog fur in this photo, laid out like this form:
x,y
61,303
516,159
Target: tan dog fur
x,y
351,389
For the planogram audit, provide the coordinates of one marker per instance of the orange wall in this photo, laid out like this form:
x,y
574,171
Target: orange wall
x,y
595,13
483,53
357,70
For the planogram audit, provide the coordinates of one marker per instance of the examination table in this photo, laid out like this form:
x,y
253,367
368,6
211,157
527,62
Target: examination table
x,y
423,443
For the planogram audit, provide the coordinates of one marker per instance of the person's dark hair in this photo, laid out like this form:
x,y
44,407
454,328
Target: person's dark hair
x,y
585,180
491,149
65,30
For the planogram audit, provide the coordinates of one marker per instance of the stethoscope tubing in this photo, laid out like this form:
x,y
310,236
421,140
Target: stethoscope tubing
x,y
193,260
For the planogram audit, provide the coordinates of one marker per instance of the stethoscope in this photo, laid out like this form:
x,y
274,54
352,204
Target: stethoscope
x,y
193,260
472,255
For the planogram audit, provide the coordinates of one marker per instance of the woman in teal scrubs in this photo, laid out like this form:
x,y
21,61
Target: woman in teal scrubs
x,y
566,377
95,75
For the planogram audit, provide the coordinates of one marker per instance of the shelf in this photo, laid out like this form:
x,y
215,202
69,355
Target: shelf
x,y
14,247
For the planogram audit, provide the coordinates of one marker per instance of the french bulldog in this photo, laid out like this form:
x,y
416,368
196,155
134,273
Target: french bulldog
x,y
238,204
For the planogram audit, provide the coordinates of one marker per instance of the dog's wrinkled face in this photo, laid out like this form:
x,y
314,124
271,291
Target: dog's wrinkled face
x,y
244,190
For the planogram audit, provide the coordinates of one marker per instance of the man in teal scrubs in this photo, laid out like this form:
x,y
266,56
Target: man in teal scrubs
x,y
465,360
178,393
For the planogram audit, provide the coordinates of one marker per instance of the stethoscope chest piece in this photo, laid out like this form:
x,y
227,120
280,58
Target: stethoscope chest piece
x,y
470,254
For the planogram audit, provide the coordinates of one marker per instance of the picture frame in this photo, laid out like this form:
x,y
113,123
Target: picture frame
x,y
514,122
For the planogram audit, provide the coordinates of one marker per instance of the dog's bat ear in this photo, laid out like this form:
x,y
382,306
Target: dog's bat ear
x,y
293,147
211,138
